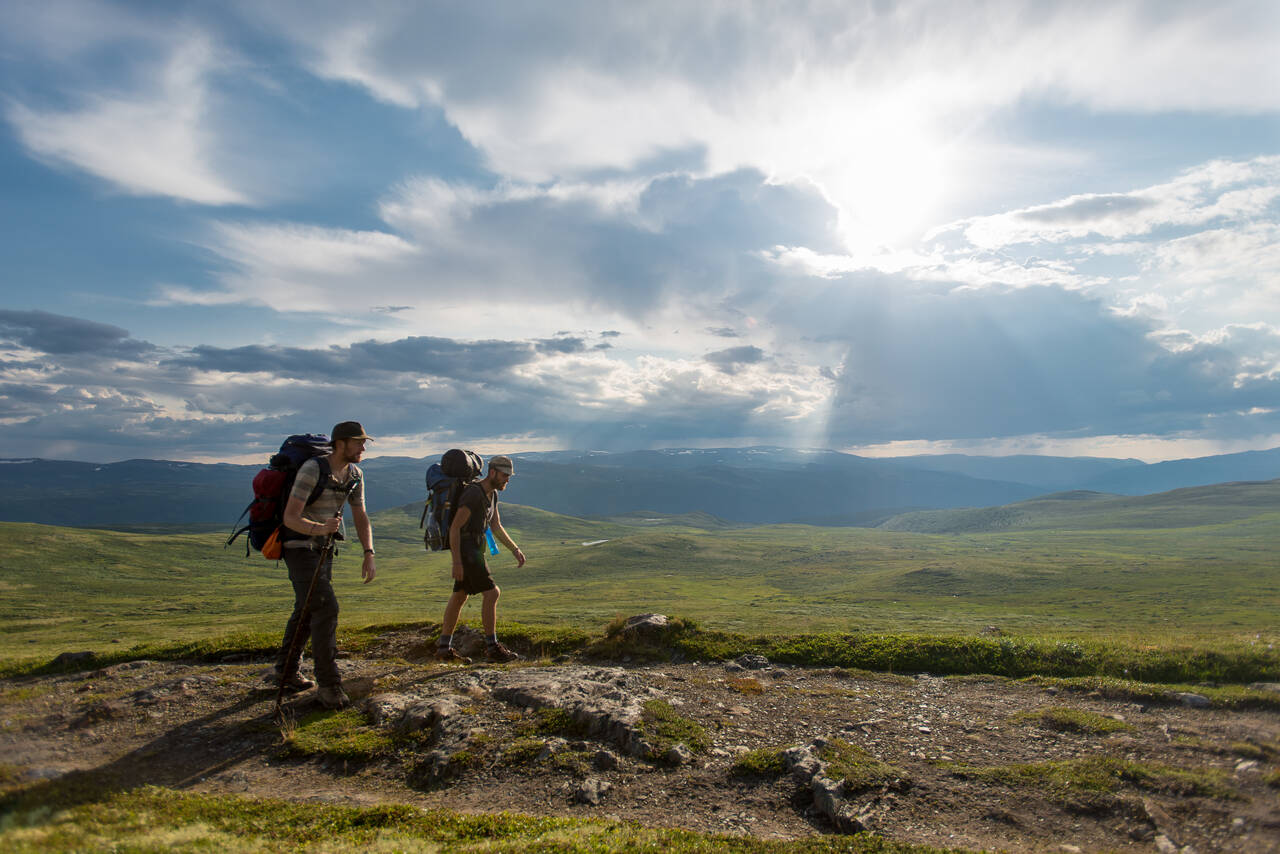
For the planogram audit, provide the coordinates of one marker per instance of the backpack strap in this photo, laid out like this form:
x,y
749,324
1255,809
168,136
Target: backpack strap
x,y
326,475
326,480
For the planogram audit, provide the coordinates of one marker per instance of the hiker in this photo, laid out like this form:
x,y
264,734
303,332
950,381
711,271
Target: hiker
x,y
309,525
477,510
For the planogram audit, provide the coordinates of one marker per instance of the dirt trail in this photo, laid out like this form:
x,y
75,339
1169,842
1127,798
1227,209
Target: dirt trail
x,y
207,728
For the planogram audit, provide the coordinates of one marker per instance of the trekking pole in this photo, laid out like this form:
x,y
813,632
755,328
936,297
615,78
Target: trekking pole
x,y
325,551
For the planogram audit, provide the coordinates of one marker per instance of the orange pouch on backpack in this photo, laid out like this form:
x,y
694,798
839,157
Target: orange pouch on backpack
x,y
273,548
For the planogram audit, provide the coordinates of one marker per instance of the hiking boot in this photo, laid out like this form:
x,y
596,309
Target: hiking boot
x,y
451,655
295,682
292,685
498,652
333,697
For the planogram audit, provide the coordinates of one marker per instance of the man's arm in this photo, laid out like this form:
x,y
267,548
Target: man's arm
x,y
460,517
503,537
364,530
295,521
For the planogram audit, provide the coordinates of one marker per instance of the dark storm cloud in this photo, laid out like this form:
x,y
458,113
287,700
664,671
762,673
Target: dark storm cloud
x,y
58,334
425,356
732,359
561,345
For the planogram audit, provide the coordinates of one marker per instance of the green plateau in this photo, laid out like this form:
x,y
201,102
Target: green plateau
x,y
1191,567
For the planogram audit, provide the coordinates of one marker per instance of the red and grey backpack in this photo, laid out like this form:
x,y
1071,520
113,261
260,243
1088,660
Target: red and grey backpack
x,y
271,488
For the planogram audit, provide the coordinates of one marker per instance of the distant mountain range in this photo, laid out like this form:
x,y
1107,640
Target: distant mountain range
x,y
1221,504
748,485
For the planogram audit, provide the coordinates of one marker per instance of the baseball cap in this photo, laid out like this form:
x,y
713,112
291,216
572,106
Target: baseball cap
x,y
501,463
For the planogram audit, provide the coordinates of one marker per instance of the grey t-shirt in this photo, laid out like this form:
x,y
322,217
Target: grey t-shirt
x,y
329,502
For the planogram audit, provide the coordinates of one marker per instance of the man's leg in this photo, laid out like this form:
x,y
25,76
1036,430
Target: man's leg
x,y
301,565
489,611
495,651
451,611
324,626
444,647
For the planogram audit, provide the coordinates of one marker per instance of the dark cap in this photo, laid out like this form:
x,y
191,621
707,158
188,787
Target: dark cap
x,y
348,430
501,463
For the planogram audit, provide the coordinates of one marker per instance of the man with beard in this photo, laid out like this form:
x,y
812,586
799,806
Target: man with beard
x,y
477,510
308,525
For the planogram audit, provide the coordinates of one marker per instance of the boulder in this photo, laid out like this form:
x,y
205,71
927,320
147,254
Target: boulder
x,y
591,790
427,714
645,628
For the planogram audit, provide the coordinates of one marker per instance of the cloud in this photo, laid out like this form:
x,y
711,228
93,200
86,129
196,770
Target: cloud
x,y
732,360
59,335
874,103
525,254
1214,192
942,363
152,141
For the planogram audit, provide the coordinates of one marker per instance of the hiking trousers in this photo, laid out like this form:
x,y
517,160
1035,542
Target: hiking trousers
x,y
320,617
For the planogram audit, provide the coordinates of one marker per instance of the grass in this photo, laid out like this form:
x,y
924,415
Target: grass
x,y
857,769
552,721
663,729
346,734
762,762
1212,585
1102,774
154,819
1109,669
1132,690
523,750
1065,719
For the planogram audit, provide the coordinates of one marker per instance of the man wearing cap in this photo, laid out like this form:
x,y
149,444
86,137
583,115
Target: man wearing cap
x,y
308,527
477,510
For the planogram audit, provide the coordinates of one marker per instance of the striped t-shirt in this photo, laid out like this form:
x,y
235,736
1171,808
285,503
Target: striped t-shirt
x,y
329,502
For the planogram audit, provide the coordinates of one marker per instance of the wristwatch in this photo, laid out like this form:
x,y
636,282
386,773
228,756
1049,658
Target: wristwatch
x,y
368,551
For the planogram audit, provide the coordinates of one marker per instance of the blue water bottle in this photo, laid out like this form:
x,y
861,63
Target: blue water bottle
x,y
493,547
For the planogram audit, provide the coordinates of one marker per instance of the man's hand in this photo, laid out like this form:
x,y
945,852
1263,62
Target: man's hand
x,y
331,526
519,555
368,570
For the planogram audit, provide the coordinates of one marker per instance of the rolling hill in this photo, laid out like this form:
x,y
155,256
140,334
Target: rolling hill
x,y
1083,510
755,486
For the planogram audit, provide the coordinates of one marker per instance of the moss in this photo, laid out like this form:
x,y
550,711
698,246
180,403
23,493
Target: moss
x,y
1065,719
523,750
1102,774
155,819
1248,750
663,729
856,768
763,762
552,721
575,762
1272,778
1135,691
344,735
748,685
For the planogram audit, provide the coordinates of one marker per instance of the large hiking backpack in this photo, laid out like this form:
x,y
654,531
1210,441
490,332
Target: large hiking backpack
x,y
271,488
446,479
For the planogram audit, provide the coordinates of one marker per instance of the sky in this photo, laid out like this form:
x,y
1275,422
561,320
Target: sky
x,y
974,226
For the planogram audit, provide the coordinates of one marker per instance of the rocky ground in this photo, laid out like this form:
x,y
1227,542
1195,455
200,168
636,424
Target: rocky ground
x,y
771,751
